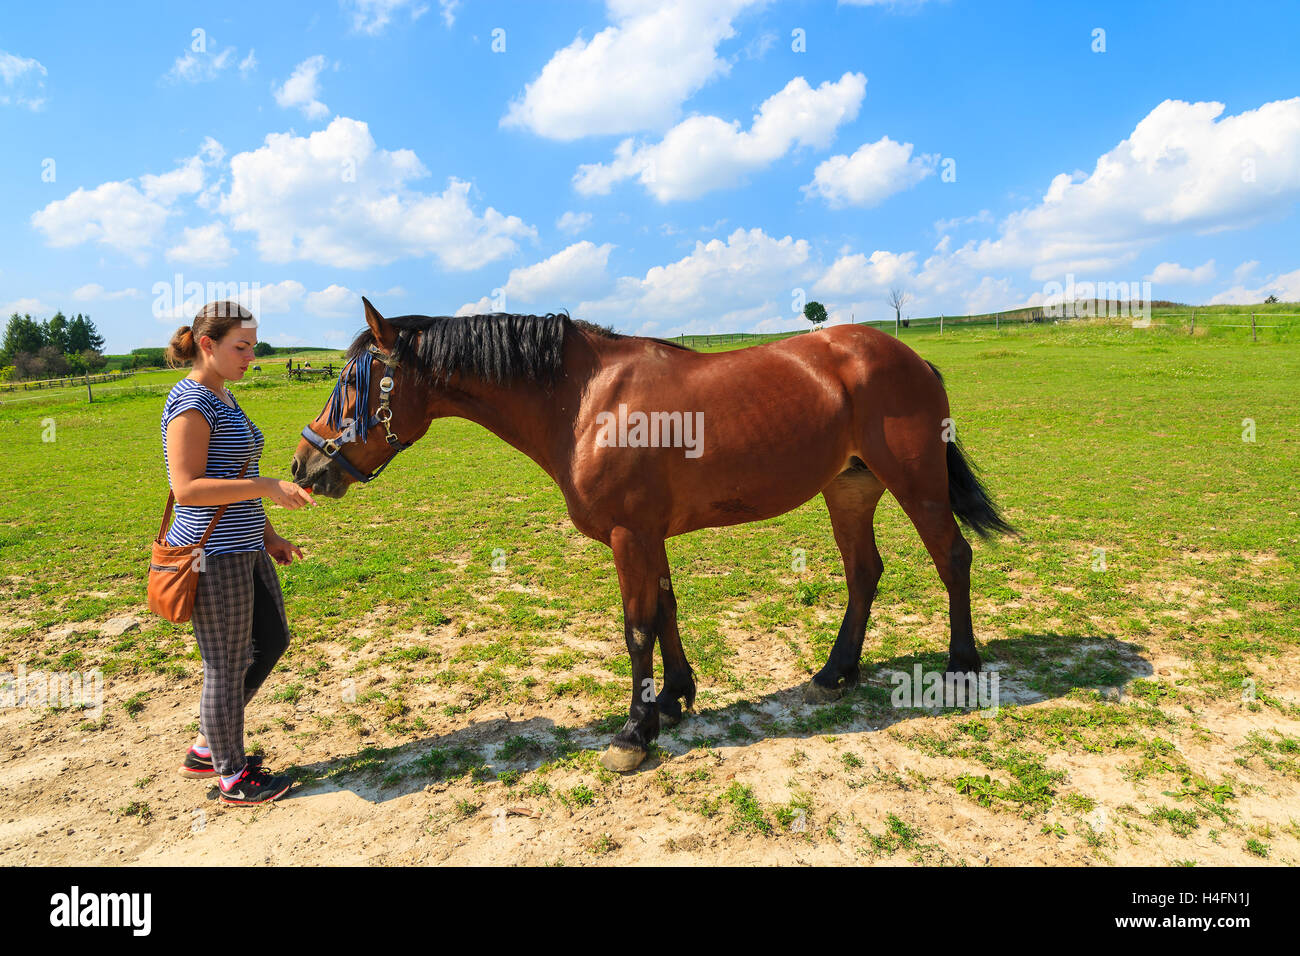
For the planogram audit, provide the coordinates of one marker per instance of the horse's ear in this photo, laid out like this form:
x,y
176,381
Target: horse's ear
x,y
384,332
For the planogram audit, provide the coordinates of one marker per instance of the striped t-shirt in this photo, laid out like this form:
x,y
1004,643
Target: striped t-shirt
x,y
234,436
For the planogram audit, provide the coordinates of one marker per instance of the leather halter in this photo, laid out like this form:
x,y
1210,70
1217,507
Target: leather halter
x,y
382,416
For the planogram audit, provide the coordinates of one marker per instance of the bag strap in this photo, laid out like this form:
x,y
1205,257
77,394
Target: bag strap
x,y
171,499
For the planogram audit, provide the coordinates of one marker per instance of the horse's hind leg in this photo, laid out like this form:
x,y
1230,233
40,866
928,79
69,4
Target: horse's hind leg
x,y
851,499
921,487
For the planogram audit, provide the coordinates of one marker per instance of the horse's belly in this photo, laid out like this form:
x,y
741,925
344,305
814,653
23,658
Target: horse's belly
x,y
734,491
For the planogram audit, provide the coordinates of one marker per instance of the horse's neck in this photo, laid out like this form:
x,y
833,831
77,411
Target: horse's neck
x,y
534,419
521,414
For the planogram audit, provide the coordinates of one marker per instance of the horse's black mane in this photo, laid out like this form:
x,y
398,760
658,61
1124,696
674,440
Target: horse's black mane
x,y
499,347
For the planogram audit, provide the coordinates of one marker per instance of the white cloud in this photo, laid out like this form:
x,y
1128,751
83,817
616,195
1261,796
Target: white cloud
x,y
704,153
449,8
991,295
119,215
1169,272
203,246
27,306
113,214
334,301
94,292
1180,171
857,274
576,271
278,297
631,76
184,180
948,225
1242,271
483,306
757,48
302,89
199,66
373,16
573,222
871,175
249,63
22,81
1286,287
334,198
715,280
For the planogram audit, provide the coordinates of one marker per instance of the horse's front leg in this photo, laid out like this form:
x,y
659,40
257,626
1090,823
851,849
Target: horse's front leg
x,y
638,577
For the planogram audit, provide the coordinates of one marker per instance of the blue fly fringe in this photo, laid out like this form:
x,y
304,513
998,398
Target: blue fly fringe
x,y
361,382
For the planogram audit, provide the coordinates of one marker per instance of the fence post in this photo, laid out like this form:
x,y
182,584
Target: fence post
x,y
997,322
1252,327
90,398
1193,332
941,323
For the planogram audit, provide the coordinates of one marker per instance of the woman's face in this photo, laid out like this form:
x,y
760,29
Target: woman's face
x,y
231,356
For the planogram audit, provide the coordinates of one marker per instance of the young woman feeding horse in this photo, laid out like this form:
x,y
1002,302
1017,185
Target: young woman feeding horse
x,y
211,451
848,411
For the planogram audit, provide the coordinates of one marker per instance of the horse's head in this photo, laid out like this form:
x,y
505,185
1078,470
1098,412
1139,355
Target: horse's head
x,y
376,410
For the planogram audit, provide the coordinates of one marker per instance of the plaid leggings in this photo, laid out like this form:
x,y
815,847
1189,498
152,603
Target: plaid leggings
x,y
241,629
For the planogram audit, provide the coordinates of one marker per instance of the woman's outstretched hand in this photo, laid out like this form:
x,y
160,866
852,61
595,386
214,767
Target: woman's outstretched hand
x,y
287,495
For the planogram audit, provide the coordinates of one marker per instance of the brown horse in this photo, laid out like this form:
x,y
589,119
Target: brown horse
x,y
647,439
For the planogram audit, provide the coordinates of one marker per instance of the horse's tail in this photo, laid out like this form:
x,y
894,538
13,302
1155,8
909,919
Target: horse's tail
x,y
970,500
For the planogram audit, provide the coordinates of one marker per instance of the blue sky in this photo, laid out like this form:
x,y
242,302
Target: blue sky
x,y
659,167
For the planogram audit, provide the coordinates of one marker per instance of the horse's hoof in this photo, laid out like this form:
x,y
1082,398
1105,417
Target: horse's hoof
x,y
621,759
670,718
961,668
815,693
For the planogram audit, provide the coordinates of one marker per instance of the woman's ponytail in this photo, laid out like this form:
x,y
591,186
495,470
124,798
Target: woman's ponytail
x,y
182,350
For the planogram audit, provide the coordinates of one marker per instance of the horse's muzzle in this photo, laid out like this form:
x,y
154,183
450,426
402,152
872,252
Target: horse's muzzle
x,y
311,469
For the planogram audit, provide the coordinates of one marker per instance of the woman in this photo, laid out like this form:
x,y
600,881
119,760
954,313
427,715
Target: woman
x,y
239,620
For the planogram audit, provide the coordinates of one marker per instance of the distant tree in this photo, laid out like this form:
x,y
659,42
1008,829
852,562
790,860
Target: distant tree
x,y
815,313
21,335
28,365
1270,300
263,348
83,335
898,298
56,332
56,363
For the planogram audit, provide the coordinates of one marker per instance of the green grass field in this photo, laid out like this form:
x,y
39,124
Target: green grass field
x,y
1153,475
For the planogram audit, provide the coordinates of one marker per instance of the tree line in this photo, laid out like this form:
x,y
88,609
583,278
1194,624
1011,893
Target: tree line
x,y
57,346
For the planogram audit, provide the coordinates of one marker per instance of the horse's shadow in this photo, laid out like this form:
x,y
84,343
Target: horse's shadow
x,y
1030,668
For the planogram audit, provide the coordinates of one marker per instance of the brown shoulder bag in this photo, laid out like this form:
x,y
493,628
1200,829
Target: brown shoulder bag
x,y
174,571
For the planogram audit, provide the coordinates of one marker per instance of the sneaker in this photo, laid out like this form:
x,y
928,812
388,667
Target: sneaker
x,y
197,766
254,786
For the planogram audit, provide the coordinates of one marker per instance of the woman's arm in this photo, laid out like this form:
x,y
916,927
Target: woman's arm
x,y
187,460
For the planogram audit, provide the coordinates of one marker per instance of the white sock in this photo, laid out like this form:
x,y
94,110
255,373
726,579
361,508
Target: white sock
x,y
228,782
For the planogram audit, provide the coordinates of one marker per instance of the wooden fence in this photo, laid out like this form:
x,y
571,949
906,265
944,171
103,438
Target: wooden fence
x,y
69,381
